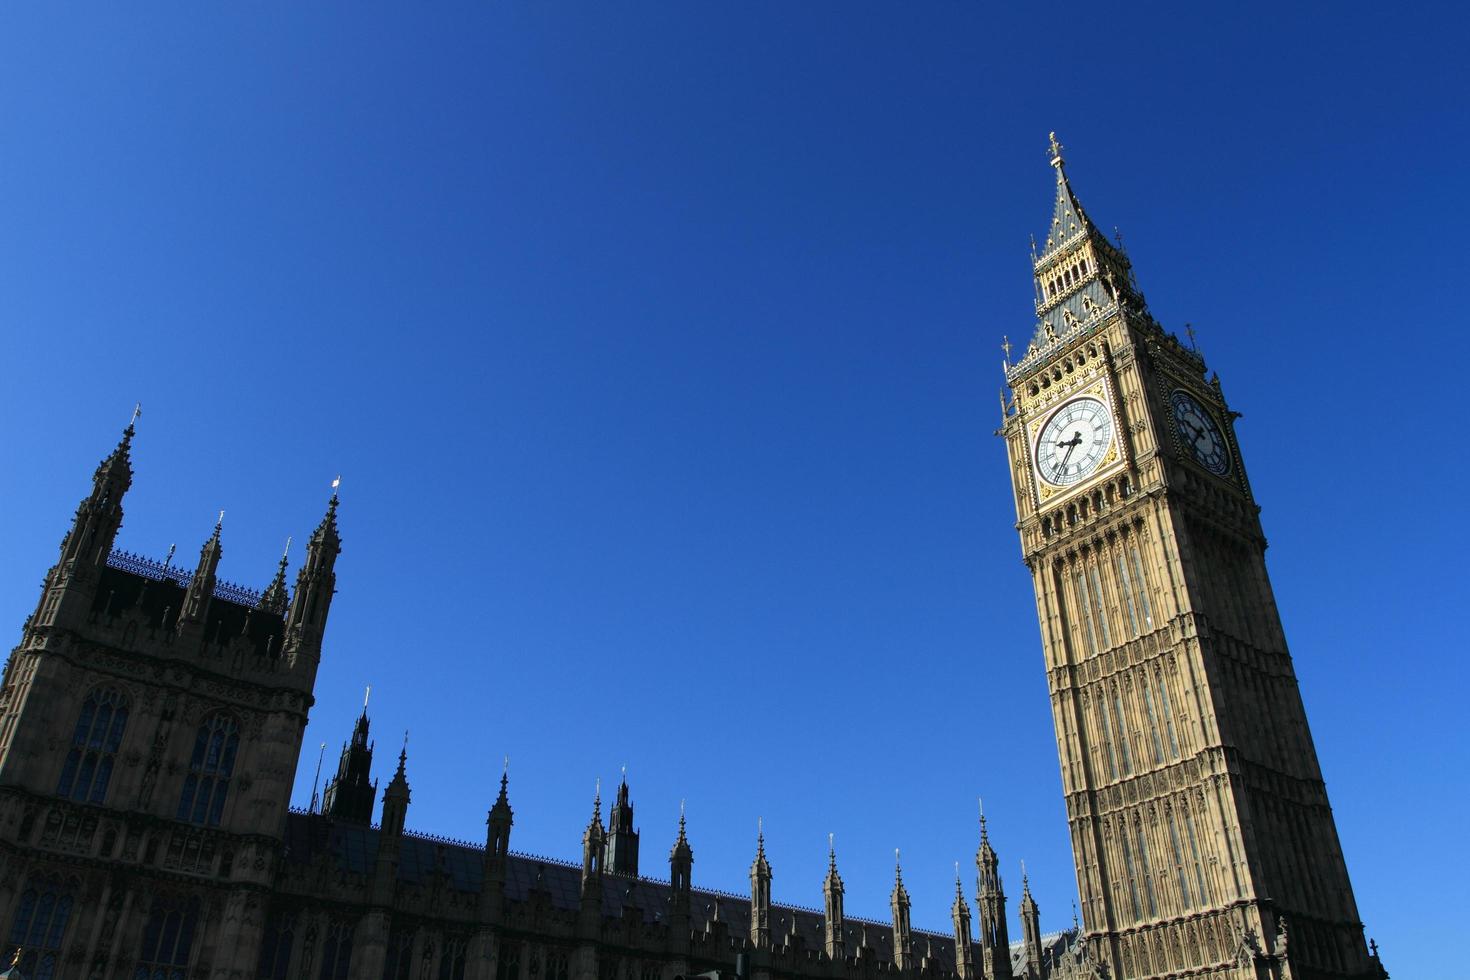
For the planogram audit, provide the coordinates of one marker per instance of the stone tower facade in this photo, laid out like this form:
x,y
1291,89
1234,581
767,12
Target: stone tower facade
x,y
150,725
1199,820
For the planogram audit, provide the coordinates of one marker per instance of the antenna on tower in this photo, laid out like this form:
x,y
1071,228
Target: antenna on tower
x,y
315,780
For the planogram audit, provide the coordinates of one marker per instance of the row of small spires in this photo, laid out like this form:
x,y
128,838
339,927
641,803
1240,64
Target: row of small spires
x,y
595,839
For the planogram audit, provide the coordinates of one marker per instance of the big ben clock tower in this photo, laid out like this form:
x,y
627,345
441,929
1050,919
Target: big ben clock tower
x,y
1203,840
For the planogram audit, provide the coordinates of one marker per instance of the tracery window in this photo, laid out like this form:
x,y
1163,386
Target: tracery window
x,y
1199,868
1153,724
508,964
168,938
94,745
1168,715
451,958
39,925
1179,861
1120,720
336,951
1148,879
1107,734
1131,870
1140,582
210,767
275,946
1084,603
398,964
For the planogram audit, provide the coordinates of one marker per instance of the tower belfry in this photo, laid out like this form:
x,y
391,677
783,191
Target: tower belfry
x,y
1198,813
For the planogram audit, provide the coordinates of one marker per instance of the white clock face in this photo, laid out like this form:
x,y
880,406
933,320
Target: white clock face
x,y
1198,432
1074,442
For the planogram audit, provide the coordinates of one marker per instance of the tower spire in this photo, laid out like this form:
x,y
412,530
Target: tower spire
x,y
760,892
833,923
1030,929
1079,274
275,599
964,951
903,940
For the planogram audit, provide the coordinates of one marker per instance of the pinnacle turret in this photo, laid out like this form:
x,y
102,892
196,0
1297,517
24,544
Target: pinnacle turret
x,y
833,919
903,941
760,893
396,795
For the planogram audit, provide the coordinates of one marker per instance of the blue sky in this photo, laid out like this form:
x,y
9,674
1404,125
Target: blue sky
x,y
658,347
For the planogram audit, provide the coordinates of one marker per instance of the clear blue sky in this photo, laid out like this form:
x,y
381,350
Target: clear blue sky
x,y
658,347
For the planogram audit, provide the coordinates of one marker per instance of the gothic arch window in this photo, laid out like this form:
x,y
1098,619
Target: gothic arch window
x,y
168,939
94,744
508,963
211,765
398,964
336,951
275,946
452,958
39,925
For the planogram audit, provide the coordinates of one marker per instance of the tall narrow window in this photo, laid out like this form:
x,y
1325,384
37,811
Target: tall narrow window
x,y
1119,721
94,745
336,951
38,927
1085,605
1148,879
210,767
1107,735
1125,588
508,964
1153,724
1179,862
1140,582
275,946
451,959
168,938
1168,715
1132,871
398,964
1199,868
1102,615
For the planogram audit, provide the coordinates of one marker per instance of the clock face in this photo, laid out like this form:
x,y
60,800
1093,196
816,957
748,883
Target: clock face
x,y
1198,431
1074,442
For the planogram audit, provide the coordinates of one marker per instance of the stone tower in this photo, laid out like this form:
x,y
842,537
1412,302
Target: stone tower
x,y
1198,814
150,724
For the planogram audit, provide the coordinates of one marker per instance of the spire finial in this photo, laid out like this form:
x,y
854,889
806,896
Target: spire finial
x,y
597,799
337,482
219,522
15,960
832,851
133,422
1056,152
984,835
403,753
365,695
625,772
897,866
958,888
760,836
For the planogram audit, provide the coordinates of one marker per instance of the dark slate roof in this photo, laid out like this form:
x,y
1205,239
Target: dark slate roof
x,y
353,848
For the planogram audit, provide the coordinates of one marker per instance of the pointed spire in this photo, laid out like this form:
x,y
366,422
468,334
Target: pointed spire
x,y
275,599
903,943
1030,929
396,795
622,838
832,891
1078,271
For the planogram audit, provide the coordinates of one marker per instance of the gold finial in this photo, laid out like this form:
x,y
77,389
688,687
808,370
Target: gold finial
x,y
219,521
137,411
1005,345
15,960
336,483
365,695
1056,151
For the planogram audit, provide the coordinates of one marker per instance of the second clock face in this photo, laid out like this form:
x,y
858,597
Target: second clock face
x,y
1074,442
1199,432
